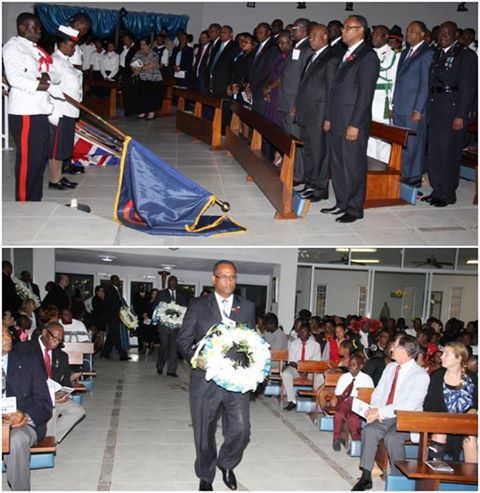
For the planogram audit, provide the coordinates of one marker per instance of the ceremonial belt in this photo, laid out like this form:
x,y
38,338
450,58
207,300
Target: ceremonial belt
x,y
446,89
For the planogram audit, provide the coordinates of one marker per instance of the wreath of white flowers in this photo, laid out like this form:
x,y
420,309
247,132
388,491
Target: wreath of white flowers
x,y
128,318
25,292
231,373
169,315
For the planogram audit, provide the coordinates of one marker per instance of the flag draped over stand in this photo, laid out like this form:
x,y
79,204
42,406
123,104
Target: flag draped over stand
x,y
155,198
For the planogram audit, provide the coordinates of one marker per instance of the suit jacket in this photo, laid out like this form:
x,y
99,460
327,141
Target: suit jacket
x,y
10,299
202,313
409,395
352,91
411,83
200,81
291,75
58,297
164,295
186,64
339,49
213,47
26,382
259,72
221,72
314,89
113,303
61,371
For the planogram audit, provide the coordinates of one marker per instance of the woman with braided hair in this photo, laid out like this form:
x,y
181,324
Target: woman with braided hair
x,y
453,389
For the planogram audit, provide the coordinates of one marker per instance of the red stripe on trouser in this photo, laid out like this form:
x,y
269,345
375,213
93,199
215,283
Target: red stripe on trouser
x,y
55,143
22,182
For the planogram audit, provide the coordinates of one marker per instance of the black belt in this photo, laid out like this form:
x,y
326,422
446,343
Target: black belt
x,y
446,89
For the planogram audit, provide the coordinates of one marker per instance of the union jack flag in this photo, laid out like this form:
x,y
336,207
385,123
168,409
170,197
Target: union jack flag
x,y
87,152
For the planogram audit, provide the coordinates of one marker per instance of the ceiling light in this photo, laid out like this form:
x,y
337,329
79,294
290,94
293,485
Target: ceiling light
x,y
107,258
301,5
251,5
148,276
472,262
461,7
356,250
365,261
103,274
167,266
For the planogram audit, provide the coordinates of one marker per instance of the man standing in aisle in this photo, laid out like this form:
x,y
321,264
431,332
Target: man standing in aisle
x,y
207,399
29,75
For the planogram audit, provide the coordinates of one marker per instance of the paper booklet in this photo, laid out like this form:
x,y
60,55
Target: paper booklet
x,y
439,466
360,407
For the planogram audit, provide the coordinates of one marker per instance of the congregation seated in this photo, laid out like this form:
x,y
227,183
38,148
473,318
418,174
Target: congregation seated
x,y
273,334
74,330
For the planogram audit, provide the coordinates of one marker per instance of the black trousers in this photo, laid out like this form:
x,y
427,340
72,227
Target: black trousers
x,y
167,354
443,162
113,339
349,171
31,135
207,402
316,159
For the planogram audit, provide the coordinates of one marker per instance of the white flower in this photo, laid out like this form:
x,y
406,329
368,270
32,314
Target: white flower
x,y
169,315
25,292
128,318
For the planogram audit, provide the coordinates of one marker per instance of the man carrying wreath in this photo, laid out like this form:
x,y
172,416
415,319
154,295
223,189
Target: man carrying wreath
x,y
207,399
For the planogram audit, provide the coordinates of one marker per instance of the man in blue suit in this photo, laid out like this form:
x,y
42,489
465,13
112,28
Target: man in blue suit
x,y
410,101
22,377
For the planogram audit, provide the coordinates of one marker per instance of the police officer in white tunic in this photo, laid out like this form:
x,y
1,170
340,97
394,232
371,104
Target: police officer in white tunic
x,y
382,99
28,69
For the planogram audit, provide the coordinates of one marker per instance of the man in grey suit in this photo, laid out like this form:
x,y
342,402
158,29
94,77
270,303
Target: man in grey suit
x,y
348,120
410,101
207,399
310,109
403,386
292,72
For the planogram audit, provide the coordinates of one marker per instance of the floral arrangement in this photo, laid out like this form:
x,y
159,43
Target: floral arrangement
x,y
25,292
128,318
235,358
169,315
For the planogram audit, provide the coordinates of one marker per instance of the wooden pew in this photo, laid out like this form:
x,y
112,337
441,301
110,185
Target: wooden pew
x,y
195,125
429,422
280,356
167,103
276,183
45,446
383,179
106,107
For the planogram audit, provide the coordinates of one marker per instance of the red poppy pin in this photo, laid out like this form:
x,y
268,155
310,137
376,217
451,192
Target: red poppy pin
x,y
236,310
350,58
414,54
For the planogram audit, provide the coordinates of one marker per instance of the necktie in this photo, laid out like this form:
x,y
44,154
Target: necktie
x,y
347,54
391,395
48,363
346,393
409,54
172,296
258,51
217,56
224,309
302,357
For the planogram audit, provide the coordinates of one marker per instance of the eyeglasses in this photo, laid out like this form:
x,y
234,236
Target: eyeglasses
x,y
347,27
226,278
60,341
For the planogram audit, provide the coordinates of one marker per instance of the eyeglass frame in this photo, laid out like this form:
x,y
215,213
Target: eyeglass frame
x,y
226,278
349,28
60,341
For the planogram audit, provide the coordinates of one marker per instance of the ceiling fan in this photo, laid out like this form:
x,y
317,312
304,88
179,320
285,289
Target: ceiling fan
x,y
431,262
344,260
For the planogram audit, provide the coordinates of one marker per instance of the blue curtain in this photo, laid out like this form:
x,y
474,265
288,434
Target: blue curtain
x,y
104,21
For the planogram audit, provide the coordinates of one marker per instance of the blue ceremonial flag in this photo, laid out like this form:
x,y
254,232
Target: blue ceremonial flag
x,y
155,198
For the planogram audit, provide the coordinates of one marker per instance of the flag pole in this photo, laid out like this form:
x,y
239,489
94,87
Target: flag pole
x,y
82,107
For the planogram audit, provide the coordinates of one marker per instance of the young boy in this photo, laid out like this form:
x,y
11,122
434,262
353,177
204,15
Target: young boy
x,y
346,390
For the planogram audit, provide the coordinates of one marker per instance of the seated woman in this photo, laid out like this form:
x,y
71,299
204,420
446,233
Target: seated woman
x,y
453,389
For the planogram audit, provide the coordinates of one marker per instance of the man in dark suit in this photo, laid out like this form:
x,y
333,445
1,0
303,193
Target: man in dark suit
x,y
310,110
259,72
58,296
54,365
335,38
200,65
126,73
167,353
181,60
348,120
207,399
22,378
214,31
410,101
10,299
453,94
26,277
293,68
113,302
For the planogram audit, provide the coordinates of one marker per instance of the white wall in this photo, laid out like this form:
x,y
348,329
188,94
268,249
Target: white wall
x,y
242,18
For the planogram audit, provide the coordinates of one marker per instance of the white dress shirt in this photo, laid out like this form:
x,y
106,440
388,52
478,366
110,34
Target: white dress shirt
x,y
361,380
88,51
75,332
312,350
21,60
109,62
77,57
227,307
96,58
351,49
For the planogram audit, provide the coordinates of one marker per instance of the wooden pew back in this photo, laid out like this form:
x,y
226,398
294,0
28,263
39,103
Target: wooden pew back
x,y
101,106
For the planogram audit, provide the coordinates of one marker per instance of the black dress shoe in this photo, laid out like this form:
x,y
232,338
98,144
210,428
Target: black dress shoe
x,y
439,203
229,478
74,170
57,186
307,191
205,486
290,406
68,183
347,218
159,371
125,358
332,210
170,374
362,485
317,198
428,198
337,445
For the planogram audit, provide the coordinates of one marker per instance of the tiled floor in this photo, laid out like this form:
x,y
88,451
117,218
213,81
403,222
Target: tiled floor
x,y
46,224
137,436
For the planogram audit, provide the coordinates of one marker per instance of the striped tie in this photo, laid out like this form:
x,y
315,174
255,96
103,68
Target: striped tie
x,y
224,309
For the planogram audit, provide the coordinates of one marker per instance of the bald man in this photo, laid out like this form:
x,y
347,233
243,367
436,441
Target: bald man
x,y
310,109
